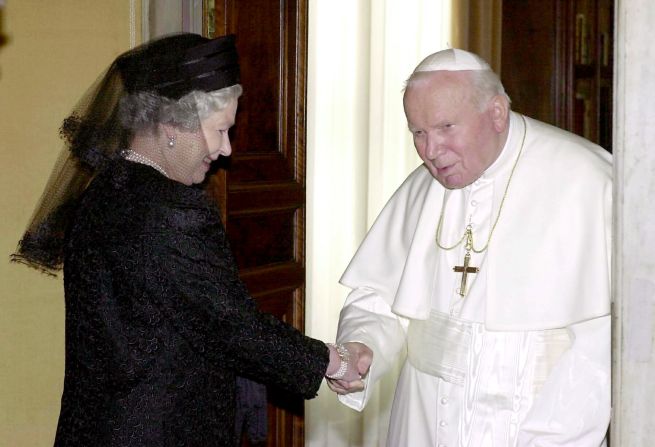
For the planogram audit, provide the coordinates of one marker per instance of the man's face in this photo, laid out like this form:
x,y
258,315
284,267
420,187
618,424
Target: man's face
x,y
456,141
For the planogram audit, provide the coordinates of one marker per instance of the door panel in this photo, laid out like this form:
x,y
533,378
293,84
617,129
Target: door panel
x,y
261,190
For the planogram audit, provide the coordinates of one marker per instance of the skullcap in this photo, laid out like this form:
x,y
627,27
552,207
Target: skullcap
x,y
452,59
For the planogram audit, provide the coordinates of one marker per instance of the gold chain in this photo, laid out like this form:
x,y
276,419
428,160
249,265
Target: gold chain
x,y
468,232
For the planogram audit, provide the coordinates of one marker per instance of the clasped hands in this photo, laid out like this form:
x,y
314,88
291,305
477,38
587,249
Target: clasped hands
x,y
359,362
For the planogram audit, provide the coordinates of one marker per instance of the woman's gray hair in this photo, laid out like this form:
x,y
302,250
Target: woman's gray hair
x,y
485,84
145,110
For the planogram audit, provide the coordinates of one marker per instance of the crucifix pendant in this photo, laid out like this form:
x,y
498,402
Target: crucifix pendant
x,y
466,269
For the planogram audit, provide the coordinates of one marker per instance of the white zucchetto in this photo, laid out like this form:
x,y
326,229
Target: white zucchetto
x,y
452,59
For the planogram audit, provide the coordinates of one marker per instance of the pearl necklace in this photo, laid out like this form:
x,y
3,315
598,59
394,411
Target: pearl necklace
x,y
131,155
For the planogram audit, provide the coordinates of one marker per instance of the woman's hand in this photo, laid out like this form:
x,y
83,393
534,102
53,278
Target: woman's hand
x,y
358,358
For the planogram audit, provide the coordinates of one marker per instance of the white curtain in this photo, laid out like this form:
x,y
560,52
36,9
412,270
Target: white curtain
x,y
358,152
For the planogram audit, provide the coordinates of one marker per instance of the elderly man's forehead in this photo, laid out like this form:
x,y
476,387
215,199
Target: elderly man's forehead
x,y
438,94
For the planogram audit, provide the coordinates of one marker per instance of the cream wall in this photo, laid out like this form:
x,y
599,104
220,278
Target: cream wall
x,y
54,51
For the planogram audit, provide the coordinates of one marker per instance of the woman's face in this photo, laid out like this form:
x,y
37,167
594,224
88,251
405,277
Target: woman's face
x,y
195,151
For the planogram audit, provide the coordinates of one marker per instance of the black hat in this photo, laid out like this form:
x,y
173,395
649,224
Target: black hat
x,y
173,66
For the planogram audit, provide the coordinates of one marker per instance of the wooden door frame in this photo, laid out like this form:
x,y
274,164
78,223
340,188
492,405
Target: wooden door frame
x,y
265,178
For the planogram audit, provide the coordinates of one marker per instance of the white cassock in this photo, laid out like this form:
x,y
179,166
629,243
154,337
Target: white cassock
x,y
524,358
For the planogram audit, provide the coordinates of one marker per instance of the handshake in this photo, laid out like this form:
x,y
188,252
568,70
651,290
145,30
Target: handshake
x,y
349,363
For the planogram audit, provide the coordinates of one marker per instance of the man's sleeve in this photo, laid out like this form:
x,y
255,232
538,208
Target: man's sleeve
x,y
573,407
367,318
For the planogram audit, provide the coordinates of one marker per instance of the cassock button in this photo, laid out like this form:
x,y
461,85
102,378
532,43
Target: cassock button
x,y
443,423
444,401
474,203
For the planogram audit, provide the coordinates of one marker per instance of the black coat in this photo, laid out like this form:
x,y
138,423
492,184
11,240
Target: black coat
x,y
158,323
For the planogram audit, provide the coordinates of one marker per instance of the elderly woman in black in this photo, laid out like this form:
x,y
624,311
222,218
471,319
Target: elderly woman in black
x,y
158,323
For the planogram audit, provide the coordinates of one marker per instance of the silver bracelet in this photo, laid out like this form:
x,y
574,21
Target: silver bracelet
x,y
344,356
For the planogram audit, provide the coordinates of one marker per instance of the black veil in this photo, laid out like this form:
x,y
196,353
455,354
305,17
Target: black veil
x,y
93,133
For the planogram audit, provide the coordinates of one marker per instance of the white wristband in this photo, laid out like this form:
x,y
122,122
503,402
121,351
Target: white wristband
x,y
344,356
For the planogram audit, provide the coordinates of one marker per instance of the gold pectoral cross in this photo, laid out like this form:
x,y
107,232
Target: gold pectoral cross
x,y
465,269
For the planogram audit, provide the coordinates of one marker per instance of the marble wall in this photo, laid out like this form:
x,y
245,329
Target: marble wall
x,y
633,422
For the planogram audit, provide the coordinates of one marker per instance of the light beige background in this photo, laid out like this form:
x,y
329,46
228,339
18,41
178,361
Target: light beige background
x,y
54,51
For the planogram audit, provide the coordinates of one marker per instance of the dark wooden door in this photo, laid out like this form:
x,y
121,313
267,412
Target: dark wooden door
x,y
557,63
262,190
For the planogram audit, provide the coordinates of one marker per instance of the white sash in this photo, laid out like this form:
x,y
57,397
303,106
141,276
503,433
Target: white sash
x,y
441,346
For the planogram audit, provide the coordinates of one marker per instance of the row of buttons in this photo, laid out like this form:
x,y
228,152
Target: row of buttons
x,y
442,423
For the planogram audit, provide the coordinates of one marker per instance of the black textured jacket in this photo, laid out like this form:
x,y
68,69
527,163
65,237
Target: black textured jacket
x,y
158,323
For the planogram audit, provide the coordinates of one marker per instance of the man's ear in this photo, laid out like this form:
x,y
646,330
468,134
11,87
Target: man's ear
x,y
499,112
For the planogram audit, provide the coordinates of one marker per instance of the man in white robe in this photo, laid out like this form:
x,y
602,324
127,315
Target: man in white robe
x,y
490,267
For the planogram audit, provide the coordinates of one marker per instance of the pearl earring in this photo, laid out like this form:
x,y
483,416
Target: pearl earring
x,y
171,141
